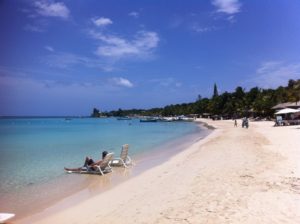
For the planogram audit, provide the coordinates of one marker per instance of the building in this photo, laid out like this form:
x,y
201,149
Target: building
x,y
293,105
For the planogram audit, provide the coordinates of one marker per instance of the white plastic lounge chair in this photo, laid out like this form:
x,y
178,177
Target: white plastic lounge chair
x,y
102,168
5,217
124,159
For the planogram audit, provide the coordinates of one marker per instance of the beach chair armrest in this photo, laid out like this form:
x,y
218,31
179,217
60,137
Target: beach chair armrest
x,y
128,160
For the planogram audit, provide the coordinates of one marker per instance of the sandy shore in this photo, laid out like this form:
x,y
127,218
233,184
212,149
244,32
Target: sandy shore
x,y
234,175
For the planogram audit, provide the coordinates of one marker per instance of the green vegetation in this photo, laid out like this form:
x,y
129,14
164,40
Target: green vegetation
x,y
255,102
96,113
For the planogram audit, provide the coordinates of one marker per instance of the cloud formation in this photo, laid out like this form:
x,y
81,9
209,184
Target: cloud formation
x,y
202,29
49,48
102,21
65,60
227,6
49,9
142,45
119,81
167,82
272,74
134,14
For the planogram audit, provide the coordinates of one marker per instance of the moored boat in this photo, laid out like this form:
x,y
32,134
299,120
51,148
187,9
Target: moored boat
x,y
149,119
124,118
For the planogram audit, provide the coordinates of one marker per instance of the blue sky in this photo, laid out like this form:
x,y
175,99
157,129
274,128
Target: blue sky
x,y
66,57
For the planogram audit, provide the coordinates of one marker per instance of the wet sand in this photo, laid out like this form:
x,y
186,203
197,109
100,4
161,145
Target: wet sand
x,y
234,175
72,189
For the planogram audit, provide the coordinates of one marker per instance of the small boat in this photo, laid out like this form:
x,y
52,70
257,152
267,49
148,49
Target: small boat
x,y
184,118
149,119
168,119
187,119
124,118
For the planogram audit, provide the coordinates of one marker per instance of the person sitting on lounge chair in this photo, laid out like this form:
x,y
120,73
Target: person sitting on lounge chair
x,y
89,163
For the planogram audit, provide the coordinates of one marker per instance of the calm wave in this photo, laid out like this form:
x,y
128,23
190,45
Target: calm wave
x,y
34,151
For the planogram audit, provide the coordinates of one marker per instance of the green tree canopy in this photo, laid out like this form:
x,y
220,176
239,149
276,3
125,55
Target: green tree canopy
x,y
238,103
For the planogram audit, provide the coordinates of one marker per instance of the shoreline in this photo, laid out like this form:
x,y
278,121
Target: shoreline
x,y
92,185
234,175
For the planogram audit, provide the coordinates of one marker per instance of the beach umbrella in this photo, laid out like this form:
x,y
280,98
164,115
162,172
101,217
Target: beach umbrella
x,y
287,111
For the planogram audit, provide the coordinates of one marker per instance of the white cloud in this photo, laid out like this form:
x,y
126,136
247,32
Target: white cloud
x,y
119,81
134,14
101,22
231,18
199,29
49,48
142,45
167,82
66,60
268,66
227,6
57,9
272,74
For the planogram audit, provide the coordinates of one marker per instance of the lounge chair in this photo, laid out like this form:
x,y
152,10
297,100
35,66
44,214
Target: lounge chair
x,y
5,216
124,159
102,168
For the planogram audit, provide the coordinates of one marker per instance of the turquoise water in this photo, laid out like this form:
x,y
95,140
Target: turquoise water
x,y
34,151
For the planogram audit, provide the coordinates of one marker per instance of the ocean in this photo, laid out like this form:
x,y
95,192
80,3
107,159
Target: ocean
x,y
34,151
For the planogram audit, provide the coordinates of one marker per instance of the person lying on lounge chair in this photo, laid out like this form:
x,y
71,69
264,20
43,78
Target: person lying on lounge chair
x,y
89,163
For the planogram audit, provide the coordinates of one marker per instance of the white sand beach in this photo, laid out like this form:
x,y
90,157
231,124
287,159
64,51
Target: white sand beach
x,y
234,175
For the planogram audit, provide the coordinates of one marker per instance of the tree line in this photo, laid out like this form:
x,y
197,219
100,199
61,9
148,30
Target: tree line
x,y
255,102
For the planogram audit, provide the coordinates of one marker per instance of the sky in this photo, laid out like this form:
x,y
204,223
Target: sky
x,y
66,57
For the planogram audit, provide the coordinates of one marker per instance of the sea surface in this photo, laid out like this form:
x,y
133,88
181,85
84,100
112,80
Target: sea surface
x,y
34,151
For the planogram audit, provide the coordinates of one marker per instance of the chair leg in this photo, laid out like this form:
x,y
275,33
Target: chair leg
x,y
123,162
99,168
111,170
101,171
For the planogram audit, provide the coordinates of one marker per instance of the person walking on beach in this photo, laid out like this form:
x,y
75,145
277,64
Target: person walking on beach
x,y
247,122
89,163
235,123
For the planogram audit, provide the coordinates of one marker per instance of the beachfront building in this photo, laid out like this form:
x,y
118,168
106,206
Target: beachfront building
x,y
287,113
205,115
293,105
